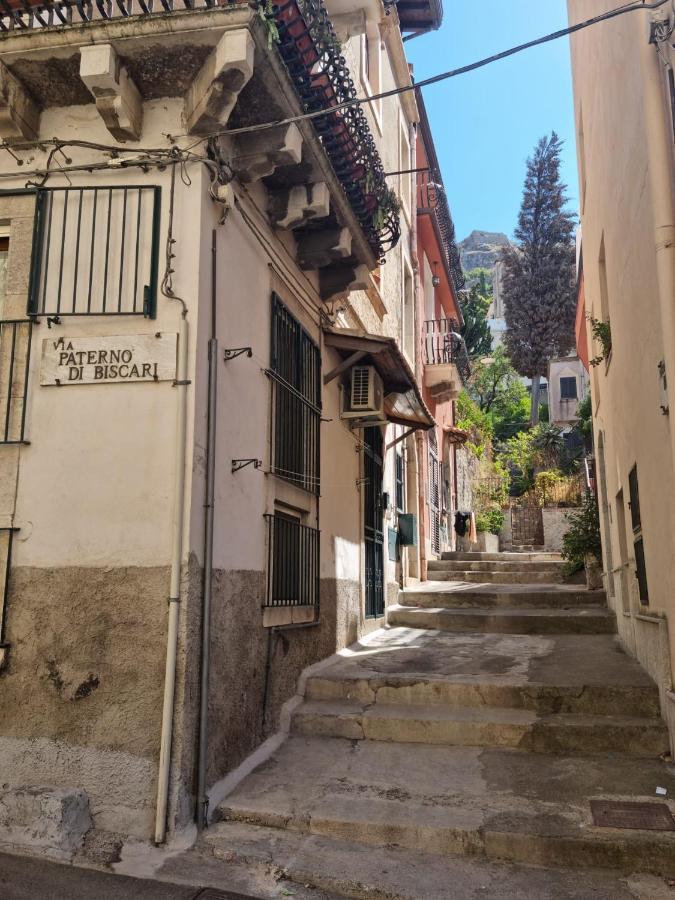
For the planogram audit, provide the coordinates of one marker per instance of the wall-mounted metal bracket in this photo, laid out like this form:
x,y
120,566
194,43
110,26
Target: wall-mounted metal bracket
x,y
242,463
53,320
234,352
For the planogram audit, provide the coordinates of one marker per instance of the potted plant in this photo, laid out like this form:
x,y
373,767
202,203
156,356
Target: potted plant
x,y
581,543
488,525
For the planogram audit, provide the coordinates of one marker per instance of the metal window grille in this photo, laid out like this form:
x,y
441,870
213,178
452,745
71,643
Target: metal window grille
x,y
6,538
296,401
95,251
641,571
293,562
15,343
434,502
568,388
400,483
373,450
634,504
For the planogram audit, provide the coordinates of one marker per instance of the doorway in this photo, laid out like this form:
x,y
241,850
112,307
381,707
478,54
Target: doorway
x,y
373,531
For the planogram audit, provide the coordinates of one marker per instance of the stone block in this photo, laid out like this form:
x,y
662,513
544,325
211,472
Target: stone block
x,y
117,98
258,154
47,819
297,205
213,95
321,248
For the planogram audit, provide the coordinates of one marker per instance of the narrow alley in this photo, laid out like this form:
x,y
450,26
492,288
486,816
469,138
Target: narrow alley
x,y
490,722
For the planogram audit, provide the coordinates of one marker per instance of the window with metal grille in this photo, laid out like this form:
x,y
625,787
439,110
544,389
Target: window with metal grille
x,y
400,483
641,571
568,388
293,562
95,251
15,341
295,372
634,499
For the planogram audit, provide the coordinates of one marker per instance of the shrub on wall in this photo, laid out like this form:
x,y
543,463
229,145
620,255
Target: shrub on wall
x,y
583,536
490,520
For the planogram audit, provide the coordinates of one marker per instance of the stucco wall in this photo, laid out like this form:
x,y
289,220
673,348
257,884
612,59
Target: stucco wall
x,y
619,230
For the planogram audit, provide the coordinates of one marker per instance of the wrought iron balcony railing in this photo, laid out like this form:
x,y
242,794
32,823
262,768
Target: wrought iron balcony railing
x,y
443,345
431,199
312,55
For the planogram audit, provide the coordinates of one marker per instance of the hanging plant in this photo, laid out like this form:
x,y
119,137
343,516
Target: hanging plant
x,y
266,13
602,333
388,204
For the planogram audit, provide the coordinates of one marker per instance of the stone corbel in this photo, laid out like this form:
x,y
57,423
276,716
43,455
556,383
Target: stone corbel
x,y
294,207
214,92
117,98
19,116
339,280
318,249
258,154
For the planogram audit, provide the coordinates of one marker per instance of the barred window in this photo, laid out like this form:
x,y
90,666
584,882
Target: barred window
x,y
295,371
400,483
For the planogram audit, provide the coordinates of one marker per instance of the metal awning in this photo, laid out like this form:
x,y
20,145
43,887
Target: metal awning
x,y
403,403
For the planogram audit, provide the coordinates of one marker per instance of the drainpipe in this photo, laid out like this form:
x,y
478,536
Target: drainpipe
x,y
202,797
660,164
174,591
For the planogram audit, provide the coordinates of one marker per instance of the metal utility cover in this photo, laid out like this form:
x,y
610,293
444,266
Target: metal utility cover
x,y
621,814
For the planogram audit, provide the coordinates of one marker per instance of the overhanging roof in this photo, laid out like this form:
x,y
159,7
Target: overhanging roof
x,y
403,403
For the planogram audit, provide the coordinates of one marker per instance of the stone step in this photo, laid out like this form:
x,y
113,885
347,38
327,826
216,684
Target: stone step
x,y
577,674
583,620
347,869
469,801
495,565
482,726
504,556
438,594
498,577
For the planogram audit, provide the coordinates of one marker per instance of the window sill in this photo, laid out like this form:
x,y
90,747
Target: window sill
x,y
276,616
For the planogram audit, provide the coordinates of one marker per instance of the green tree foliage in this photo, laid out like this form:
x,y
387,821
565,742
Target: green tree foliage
x,y
497,389
475,305
539,272
583,535
471,418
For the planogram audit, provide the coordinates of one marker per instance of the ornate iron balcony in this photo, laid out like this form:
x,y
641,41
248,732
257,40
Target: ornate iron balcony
x,y
444,346
312,54
431,199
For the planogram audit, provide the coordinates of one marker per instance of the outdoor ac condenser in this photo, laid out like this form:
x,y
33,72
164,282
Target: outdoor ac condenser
x,y
365,397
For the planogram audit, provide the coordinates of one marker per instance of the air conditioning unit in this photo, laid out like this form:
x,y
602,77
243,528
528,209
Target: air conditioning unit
x,y
364,397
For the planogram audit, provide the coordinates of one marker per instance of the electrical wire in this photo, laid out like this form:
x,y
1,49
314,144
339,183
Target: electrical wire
x,y
444,76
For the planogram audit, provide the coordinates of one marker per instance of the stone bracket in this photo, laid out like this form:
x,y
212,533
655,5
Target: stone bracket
x,y
117,98
339,280
19,115
213,95
318,249
258,154
294,207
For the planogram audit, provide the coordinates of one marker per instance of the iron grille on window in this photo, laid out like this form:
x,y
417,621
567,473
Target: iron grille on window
x,y
568,388
6,538
296,401
400,485
293,562
15,340
634,499
95,252
641,571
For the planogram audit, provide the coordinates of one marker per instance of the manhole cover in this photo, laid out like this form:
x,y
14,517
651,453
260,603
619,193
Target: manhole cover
x,y
618,814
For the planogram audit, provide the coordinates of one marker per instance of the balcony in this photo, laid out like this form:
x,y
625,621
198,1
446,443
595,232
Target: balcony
x,y
234,68
446,363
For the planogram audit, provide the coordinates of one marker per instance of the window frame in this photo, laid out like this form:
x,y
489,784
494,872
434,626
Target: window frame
x,y
567,379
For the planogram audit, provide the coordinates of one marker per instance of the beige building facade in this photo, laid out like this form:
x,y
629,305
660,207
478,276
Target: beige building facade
x,y
207,363
622,72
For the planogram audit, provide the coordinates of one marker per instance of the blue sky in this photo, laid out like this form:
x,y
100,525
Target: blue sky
x,y
486,123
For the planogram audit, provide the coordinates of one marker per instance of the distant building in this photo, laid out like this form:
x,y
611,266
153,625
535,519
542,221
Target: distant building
x,y
567,387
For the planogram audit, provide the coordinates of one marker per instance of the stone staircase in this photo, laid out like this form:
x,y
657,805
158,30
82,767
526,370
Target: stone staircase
x,y
472,733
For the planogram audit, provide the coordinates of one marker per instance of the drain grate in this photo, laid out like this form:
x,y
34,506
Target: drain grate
x,y
620,814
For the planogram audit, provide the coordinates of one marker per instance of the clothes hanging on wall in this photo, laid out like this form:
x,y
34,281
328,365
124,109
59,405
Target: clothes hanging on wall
x,y
462,520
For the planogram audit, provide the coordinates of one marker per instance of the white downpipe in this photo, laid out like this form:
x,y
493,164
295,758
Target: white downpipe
x,y
174,592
